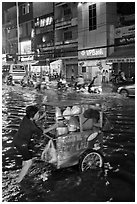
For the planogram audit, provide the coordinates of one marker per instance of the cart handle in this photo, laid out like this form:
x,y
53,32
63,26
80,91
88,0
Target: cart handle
x,y
49,137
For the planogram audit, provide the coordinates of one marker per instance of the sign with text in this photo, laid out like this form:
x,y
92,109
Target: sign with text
x,y
125,40
93,53
125,31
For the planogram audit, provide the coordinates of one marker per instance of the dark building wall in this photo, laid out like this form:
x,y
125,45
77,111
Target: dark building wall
x,y
28,16
42,8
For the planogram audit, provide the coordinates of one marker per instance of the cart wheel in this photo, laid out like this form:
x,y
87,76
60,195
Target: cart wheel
x,y
91,160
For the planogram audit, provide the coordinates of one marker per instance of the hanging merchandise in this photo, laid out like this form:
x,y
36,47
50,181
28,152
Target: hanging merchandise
x,y
67,113
49,153
75,110
58,113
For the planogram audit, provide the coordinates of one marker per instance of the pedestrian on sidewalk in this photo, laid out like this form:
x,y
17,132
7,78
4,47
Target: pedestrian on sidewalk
x,y
107,76
103,76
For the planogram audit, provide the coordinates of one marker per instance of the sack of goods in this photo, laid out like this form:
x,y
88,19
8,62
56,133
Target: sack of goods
x,y
73,124
62,130
75,110
49,153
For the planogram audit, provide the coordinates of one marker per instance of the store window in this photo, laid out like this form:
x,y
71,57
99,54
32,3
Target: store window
x,y
25,9
67,11
92,17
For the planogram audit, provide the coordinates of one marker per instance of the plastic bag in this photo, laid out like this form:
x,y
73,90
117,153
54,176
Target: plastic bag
x,y
67,113
75,110
49,153
58,113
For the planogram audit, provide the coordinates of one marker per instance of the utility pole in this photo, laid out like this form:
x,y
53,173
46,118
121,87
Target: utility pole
x,y
17,7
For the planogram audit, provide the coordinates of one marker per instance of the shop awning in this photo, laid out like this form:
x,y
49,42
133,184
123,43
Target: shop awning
x,y
32,62
40,63
122,54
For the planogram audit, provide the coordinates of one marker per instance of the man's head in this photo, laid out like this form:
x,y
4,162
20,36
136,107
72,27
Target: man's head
x,y
31,111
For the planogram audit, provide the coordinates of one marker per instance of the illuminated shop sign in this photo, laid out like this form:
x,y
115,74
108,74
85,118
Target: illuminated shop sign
x,y
125,31
43,21
93,53
125,40
125,35
118,60
26,47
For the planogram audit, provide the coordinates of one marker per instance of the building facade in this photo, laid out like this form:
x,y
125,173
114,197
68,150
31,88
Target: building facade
x,y
66,37
94,22
25,16
9,33
85,38
123,57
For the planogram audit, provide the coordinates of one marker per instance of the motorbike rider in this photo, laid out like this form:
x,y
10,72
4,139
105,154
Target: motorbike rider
x,y
62,83
91,84
79,82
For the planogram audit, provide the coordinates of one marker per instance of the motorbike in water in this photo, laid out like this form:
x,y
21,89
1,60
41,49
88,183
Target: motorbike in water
x,y
62,86
88,87
27,83
93,88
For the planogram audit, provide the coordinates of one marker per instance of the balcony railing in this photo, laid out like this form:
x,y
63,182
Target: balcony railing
x,y
66,42
66,21
63,22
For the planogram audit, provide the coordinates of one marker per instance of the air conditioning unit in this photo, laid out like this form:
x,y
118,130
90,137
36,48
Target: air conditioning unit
x,y
74,21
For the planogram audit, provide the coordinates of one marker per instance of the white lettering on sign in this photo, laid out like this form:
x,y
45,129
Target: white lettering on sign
x,y
124,31
93,52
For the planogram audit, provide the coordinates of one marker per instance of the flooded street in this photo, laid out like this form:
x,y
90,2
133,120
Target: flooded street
x,y
115,184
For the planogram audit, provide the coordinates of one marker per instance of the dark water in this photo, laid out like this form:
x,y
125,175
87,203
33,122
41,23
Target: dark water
x,y
115,184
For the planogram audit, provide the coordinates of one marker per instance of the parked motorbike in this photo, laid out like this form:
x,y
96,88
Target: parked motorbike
x,y
10,81
27,83
79,86
62,86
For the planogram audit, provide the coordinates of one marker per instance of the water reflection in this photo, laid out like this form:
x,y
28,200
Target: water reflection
x,y
116,183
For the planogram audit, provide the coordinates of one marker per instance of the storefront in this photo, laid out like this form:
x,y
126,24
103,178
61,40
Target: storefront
x,y
40,68
91,63
69,56
71,67
123,58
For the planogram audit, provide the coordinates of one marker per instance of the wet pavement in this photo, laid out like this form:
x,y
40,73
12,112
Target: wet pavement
x,y
115,184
